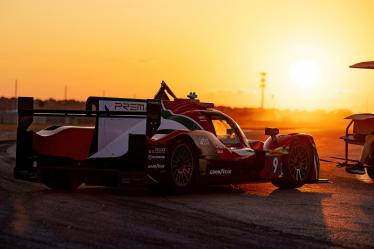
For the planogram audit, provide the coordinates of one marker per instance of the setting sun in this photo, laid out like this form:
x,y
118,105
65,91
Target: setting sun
x,y
216,48
305,73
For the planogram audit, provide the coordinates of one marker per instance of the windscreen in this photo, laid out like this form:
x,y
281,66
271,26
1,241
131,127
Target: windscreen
x,y
225,132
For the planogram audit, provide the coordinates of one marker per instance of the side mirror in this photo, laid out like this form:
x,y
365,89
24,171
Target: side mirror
x,y
271,131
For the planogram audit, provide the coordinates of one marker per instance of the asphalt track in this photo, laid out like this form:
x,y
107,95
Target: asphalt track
x,y
339,214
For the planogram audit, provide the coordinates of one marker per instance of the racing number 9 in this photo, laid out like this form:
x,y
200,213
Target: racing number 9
x,y
275,164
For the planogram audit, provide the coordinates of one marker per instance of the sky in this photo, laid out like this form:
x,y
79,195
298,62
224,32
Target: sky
x,y
217,48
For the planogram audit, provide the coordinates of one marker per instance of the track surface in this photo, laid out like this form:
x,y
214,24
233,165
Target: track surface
x,y
339,214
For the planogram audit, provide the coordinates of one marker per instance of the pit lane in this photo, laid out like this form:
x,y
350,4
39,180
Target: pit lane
x,y
339,214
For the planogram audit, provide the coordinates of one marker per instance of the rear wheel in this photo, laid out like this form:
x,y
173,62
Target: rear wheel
x,y
182,166
61,180
297,168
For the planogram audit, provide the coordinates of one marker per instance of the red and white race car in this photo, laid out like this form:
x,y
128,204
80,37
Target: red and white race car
x,y
176,143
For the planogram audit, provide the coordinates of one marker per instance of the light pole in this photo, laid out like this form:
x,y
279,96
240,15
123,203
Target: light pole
x,y
66,93
16,89
262,86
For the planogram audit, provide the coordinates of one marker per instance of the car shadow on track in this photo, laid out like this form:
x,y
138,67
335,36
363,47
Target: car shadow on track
x,y
143,191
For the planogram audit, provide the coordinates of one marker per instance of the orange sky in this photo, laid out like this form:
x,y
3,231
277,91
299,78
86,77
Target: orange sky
x,y
216,48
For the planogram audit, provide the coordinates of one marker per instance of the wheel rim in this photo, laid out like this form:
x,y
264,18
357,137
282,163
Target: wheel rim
x,y
299,163
182,165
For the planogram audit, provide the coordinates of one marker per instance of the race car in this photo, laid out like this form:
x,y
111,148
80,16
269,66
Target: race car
x,y
176,143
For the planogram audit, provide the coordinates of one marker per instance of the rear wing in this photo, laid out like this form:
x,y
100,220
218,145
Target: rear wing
x,y
25,109
116,109
151,111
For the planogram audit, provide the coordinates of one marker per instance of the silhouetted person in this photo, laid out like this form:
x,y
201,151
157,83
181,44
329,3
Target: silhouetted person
x,y
365,156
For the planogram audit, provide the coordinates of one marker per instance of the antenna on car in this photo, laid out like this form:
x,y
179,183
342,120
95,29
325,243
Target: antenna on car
x,y
163,92
192,95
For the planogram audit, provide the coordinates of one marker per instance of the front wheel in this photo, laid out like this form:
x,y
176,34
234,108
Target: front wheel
x,y
370,168
370,172
182,166
298,164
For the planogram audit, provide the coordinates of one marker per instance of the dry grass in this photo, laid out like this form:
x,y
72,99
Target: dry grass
x,y
8,127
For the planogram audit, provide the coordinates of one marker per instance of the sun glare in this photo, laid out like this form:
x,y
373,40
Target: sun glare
x,y
305,73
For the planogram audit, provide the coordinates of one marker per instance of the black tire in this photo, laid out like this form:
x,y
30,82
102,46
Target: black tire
x,y
370,172
182,165
370,169
61,180
296,169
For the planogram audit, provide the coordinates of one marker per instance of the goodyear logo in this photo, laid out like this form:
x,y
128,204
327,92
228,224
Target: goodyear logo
x,y
156,166
220,172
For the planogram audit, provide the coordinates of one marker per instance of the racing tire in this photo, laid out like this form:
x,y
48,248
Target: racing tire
x,y
370,172
370,168
296,170
60,180
182,165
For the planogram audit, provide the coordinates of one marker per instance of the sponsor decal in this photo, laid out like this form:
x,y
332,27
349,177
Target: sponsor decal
x,y
220,172
202,118
151,157
153,102
129,106
122,106
220,148
219,151
203,141
157,150
156,166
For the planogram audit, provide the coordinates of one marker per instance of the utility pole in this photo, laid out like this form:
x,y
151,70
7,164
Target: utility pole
x,y
66,92
262,86
16,89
